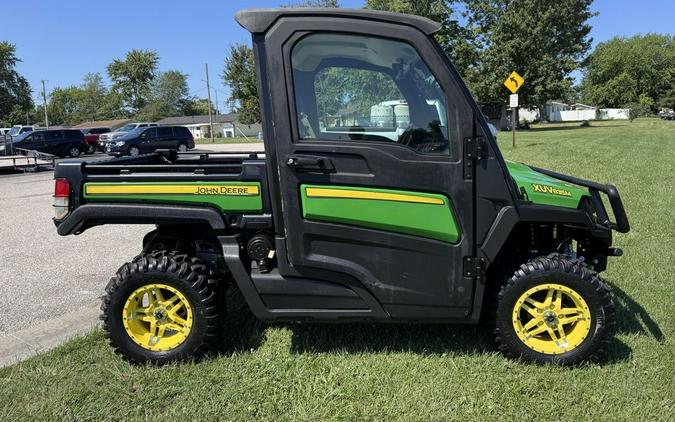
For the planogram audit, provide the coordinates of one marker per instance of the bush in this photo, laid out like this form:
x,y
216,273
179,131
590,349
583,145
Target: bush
x,y
645,106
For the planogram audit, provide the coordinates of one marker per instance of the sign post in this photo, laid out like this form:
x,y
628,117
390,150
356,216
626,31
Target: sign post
x,y
513,83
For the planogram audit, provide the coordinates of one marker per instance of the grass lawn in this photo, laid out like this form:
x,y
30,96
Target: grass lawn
x,y
236,140
385,372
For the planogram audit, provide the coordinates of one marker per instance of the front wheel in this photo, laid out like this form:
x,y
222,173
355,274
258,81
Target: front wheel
x,y
182,148
90,149
554,310
134,151
161,308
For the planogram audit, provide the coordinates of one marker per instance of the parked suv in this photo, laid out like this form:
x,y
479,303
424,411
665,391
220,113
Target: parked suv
x,y
91,136
61,142
144,140
110,136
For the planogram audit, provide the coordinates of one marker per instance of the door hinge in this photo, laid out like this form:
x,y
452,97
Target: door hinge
x,y
474,268
475,149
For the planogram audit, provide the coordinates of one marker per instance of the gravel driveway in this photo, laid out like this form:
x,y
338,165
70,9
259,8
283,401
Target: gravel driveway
x,y
44,275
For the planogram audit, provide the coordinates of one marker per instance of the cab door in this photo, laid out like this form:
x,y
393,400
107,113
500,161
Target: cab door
x,y
367,141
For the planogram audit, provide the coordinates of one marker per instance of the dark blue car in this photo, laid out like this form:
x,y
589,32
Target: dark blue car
x,y
61,142
144,140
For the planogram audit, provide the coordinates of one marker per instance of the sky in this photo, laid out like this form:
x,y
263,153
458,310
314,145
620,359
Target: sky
x,y
61,41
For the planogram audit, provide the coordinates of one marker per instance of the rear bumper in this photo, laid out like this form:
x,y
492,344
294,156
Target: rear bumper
x,y
595,189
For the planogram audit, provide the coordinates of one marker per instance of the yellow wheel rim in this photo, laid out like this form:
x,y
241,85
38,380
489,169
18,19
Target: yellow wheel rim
x,y
157,317
551,319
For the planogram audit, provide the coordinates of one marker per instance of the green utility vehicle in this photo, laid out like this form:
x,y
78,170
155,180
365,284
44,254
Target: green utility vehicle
x,y
412,216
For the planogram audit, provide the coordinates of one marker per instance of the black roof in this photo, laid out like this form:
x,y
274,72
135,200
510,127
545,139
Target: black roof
x,y
259,20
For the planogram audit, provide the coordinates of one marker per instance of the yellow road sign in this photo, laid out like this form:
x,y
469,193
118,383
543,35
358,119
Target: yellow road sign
x,y
514,82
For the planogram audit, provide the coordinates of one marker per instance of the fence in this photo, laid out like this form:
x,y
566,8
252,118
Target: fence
x,y
531,115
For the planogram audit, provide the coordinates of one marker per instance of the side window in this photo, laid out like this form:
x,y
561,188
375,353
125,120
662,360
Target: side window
x,y
164,131
362,88
54,136
150,133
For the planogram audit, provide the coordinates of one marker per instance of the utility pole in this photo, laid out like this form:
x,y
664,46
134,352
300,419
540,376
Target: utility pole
x,y
215,91
208,90
44,104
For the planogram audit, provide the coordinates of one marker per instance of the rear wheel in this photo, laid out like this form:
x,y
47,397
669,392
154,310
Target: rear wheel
x,y
90,149
134,151
161,308
554,310
73,151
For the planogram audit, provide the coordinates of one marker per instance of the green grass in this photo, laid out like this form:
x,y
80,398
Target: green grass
x,y
236,140
386,372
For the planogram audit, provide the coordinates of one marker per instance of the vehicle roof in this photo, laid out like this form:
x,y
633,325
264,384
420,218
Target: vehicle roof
x,y
259,20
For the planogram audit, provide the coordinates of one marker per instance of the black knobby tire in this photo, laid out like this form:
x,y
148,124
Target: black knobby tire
x,y
570,273
181,272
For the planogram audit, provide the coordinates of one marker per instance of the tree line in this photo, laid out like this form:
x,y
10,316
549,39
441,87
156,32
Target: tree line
x,y
544,40
137,90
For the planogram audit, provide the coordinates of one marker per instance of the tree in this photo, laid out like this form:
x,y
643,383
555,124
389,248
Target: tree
x,y
132,77
197,107
543,40
168,97
240,75
639,70
668,99
64,106
15,92
92,95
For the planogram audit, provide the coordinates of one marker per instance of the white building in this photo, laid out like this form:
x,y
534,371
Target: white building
x,y
224,125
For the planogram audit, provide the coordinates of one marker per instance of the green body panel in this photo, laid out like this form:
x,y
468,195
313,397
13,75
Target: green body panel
x,y
545,190
205,193
435,221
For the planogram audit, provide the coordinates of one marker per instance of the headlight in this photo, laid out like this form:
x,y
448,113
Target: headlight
x,y
119,143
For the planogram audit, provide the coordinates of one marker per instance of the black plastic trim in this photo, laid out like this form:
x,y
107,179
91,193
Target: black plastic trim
x,y
260,20
90,215
235,263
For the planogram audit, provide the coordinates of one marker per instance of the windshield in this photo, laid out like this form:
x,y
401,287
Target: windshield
x,y
14,131
134,133
85,131
127,128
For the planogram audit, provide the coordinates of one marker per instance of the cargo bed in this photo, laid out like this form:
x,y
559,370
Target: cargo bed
x,y
222,190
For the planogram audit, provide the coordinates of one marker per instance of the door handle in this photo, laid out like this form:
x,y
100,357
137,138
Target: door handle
x,y
310,163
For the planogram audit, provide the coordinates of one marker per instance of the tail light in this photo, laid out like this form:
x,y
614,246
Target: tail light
x,y
61,198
